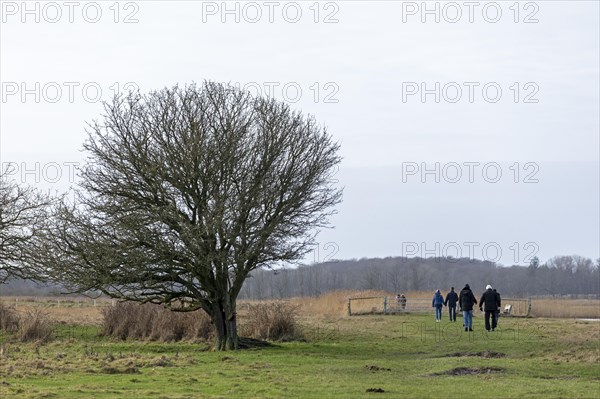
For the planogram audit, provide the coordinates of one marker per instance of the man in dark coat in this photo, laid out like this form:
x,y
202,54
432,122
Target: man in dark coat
x,y
450,301
466,300
491,300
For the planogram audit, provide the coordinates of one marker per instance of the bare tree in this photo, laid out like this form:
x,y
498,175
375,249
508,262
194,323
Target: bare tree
x,y
393,278
564,263
188,190
22,213
372,278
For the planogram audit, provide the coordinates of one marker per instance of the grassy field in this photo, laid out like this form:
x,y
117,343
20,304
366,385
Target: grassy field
x,y
342,357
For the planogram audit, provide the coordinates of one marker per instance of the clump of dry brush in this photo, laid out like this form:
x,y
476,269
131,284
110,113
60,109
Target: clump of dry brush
x,y
273,321
30,326
131,320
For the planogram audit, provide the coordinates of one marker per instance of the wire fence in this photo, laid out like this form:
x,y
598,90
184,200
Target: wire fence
x,y
53,302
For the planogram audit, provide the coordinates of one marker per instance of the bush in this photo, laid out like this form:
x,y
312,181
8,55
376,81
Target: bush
x,y
177,326
32,326
274,321
9,320
131,320
35,326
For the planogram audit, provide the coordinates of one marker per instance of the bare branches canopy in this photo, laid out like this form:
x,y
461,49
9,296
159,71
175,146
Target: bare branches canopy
x,y
22,214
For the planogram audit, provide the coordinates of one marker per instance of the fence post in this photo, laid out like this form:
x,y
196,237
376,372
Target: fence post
x,y
349,307
528,306
385,305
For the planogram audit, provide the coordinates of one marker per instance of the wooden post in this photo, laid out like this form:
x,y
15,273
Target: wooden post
x,y
385,305
528,306
349,307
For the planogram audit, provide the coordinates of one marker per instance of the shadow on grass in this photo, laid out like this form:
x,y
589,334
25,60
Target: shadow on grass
x,y
251,343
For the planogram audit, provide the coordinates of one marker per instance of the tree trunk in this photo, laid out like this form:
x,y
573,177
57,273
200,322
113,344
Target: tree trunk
x,y
225,319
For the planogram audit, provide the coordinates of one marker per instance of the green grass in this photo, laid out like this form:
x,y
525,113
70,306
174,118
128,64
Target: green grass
x,y
406,356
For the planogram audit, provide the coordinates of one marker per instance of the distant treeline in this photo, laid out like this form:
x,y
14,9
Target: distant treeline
x,y
561,275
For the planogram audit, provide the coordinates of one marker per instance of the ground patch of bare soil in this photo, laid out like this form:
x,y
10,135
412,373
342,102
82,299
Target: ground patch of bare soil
x,y
115,370
484,354
470,371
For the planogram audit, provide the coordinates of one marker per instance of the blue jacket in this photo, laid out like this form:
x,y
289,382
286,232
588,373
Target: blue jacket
x,y
438,301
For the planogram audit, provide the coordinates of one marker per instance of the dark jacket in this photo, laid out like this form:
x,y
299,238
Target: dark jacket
x,y
467,299
438,300
490,299
451,299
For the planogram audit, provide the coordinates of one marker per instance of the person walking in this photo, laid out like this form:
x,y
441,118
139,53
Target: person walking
x,y
490,300
403,301
450,301
466,299
437,303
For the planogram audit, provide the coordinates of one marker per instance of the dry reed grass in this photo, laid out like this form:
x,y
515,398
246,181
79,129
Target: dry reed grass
x,y
331,305
69,310
9,320
268,320
72,316
154,322
56,301
35,326
273,321
335,304
32,325
566,308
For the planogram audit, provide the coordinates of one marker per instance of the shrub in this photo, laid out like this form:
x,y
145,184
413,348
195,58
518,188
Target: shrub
x,y
274,321
35,326
154,322
9,320
32,326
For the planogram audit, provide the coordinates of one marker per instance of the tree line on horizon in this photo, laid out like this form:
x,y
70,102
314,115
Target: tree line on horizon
x,y
559,276
571,275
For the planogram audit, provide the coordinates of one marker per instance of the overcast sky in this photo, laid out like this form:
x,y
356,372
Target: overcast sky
x,y
474,135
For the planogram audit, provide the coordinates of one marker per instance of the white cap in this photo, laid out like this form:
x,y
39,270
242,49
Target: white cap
x,y
488,287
